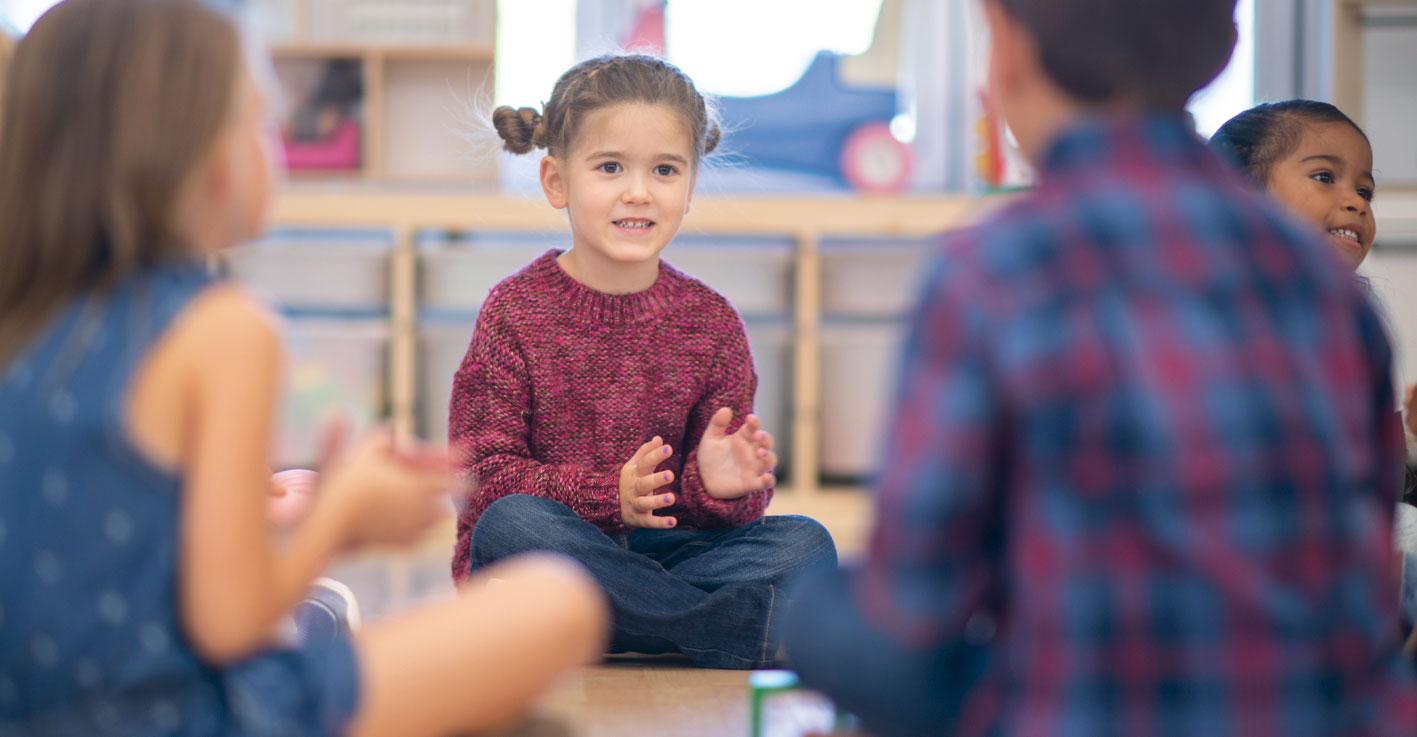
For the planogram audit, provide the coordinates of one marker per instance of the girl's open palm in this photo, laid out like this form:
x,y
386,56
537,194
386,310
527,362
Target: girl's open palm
x,y
734,465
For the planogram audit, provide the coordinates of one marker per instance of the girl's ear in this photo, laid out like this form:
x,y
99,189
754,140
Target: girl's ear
x,y
552,183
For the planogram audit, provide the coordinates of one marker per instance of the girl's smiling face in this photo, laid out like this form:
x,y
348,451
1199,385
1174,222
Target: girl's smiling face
x,y
1328,180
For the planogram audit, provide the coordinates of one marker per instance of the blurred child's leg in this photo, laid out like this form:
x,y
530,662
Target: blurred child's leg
x,y
894,688
654,610
478,662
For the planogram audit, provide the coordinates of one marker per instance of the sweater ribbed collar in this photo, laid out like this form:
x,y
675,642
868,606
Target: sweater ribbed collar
x,y
614,309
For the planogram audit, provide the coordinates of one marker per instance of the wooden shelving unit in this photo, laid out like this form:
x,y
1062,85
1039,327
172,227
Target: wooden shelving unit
x,y
416,113
1347,42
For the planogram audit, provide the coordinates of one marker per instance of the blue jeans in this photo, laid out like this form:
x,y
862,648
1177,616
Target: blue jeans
x,y
897,690
714,595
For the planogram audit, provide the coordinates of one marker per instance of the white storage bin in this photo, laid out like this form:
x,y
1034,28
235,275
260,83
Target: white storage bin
x,y
334,367
317,271
1390,99
857,383
457,274
755,274
454,22
872,279
442,346
771,343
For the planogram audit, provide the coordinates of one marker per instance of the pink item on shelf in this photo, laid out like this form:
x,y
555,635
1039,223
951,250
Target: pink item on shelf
x,y
339,151
289,508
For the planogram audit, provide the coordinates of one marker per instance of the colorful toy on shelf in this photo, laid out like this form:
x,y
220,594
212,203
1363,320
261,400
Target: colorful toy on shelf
x,y
820,126
323,131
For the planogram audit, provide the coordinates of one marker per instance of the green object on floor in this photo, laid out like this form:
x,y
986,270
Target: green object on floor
x,y
765,683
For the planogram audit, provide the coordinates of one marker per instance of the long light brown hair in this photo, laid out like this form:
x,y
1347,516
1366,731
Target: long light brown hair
x,y
111,106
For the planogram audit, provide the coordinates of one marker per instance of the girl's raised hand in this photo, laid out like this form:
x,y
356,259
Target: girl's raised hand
x,y
386,495
639,482
733,466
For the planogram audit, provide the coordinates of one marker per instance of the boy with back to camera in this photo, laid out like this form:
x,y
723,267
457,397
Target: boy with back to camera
x,y
1139,476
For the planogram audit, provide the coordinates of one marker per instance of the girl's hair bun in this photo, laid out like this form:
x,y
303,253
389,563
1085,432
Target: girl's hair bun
x,y
520,128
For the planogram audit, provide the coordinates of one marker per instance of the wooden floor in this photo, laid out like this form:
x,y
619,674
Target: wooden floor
x,y
667,697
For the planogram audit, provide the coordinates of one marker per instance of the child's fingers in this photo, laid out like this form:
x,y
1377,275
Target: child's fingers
x,y
647,484
649,503
766,480
645,450
767,459
651,460
765,439
749,430
718,424
654,522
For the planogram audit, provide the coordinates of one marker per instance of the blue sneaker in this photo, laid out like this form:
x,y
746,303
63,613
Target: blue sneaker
x,y
327,612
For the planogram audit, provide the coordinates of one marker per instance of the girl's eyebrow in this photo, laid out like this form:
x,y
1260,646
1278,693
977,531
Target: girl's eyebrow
x,y
1336,161
676,158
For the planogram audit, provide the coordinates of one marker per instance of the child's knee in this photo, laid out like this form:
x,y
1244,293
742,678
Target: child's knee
x,y
811,543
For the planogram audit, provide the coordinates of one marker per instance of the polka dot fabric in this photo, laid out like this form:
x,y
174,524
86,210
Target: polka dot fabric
x,y
90,642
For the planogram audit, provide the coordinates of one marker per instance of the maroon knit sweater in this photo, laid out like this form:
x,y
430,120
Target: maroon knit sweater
x,y
562,384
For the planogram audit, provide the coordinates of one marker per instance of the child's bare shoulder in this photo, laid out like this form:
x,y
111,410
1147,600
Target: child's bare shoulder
x,y
228,322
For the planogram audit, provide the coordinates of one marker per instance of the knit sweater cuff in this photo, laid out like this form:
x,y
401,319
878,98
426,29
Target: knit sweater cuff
x,y
708,509
600,502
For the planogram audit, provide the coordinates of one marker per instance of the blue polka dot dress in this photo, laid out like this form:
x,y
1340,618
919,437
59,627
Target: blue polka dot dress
x,y
90,641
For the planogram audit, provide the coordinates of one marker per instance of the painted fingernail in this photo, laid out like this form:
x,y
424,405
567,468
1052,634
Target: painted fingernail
x,y
671,522
664,476
666,450
667,498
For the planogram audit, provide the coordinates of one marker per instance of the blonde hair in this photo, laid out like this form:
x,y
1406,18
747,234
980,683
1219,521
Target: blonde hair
x,y
110,108
600,82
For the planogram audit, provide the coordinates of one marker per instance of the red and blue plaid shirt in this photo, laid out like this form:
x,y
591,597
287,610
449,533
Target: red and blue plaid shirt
x,y
1144,447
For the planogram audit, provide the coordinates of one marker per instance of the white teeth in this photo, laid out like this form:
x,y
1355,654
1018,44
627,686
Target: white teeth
x,y
637,224
1345,233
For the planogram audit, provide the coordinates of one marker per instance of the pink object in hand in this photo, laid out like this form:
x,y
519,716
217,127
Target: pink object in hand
x,y
299,485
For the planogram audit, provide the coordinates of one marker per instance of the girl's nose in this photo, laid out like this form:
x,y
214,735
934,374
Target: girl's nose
x,y
635,191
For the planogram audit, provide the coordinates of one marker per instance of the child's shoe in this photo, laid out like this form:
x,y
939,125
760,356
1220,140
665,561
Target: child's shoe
x,y
328,611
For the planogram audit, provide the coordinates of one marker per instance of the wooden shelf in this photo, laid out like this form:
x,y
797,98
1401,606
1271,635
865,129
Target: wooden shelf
x,y
807,220
1347,40
416,95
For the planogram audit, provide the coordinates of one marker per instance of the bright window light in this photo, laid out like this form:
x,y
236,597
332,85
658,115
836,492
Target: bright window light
x,y
741,48
19,15
1234,90
536,42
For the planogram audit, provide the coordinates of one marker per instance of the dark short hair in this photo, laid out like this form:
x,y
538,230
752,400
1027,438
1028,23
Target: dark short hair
x,y
1156,52
1264,134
